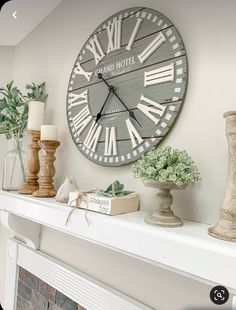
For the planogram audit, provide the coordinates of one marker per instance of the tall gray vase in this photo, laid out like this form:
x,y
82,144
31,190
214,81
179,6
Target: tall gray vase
x,y
226,227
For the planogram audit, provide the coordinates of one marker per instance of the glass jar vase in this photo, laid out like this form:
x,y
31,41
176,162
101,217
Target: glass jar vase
x,y
14,167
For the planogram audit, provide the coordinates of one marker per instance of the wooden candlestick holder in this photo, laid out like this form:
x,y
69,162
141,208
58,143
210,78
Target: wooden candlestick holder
x,y
33,166
226,226
47,169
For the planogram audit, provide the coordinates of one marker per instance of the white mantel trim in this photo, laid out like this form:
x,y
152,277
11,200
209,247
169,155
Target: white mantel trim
x,y
12,275
187,250
25,230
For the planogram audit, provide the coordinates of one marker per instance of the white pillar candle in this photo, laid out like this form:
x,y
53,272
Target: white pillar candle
x,y
49,133
35,118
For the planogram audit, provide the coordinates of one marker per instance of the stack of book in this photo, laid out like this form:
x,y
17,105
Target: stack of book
x,y
103,204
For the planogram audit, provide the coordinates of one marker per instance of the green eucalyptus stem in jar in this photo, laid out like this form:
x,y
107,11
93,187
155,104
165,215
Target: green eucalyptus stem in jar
x,y
13,120
19,151
14,172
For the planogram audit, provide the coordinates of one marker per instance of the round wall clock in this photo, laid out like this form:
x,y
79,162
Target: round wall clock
x,y
127,86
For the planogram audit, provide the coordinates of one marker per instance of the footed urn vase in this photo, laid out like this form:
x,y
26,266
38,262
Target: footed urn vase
x,y
226,227
163,216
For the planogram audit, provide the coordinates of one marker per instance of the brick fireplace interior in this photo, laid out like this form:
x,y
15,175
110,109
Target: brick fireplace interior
x,y
34,294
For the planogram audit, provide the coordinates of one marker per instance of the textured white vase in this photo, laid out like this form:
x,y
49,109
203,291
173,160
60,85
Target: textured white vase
x,y
226,227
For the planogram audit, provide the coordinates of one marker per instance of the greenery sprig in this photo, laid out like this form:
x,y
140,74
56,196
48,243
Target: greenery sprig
x,y
13,112
36,92
115,189
166,165
14,108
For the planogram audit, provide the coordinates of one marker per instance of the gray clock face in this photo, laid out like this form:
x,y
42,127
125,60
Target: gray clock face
x,y
127,86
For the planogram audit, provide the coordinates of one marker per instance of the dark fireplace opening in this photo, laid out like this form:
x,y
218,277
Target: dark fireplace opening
x,y
34,294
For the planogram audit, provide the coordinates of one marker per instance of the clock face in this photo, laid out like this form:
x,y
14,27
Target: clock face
x,y
127,86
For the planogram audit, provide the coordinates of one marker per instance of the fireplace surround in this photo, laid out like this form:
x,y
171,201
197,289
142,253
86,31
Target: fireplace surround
x,y
63,281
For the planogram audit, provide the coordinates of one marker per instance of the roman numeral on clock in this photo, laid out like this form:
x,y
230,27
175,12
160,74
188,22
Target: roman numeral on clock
x,y
114,36
134,33
160,75
78,99
82,119
152,47
135,137
110,142
93,135
154,108
95,48
80,71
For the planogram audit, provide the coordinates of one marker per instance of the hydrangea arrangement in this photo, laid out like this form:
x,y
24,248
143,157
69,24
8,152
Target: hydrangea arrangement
x,y
166,165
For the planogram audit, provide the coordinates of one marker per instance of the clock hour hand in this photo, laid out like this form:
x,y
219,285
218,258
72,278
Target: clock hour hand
x,y
99,115
112,88
100,77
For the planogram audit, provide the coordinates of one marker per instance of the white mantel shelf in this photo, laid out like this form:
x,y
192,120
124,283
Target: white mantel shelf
x,y
188,250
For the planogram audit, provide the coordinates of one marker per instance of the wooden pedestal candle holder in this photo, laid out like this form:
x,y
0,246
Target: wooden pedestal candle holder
x,y
47,169
33,166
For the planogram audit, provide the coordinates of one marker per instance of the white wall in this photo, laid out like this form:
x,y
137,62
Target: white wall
x,y
208,30
6,75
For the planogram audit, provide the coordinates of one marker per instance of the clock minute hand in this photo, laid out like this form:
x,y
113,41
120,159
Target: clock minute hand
x,y
99,115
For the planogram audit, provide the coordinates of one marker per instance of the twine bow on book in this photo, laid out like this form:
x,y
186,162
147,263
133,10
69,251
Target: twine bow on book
x,y
80,198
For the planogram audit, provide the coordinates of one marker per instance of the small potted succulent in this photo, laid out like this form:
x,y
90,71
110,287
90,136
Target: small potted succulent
x,y
115,189
166,169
